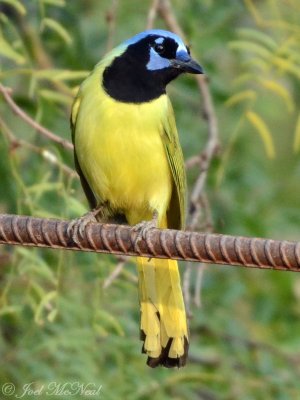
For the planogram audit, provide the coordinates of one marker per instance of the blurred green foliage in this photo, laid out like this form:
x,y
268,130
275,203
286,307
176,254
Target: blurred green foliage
x,y
58,324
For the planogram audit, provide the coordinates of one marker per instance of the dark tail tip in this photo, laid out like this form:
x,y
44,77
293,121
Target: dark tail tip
x,y
164,358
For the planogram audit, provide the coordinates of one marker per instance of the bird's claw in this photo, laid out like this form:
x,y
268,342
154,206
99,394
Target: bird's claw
x,y
143,229
78,226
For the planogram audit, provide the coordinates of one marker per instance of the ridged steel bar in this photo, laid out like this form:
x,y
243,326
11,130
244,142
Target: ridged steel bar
x,y
180,245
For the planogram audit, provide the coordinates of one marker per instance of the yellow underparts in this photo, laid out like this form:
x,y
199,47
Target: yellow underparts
x,y
120,150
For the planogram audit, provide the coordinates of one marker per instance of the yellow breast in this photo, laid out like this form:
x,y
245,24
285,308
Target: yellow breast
x,y
121,153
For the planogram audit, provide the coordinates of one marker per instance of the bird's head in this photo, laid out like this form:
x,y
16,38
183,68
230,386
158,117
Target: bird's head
x,y
146,63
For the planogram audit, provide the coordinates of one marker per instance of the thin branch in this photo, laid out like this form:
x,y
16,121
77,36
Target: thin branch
x,y
50,157
198,285
179,245
166,12
25,117
202,160
186,284
193,161
114,275
201,213
212,145
152,14
111,24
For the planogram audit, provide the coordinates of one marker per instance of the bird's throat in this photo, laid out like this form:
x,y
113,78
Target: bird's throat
x,y
127,85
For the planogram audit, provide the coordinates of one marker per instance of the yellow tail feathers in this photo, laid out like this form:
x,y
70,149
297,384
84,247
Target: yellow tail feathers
x,y
163,319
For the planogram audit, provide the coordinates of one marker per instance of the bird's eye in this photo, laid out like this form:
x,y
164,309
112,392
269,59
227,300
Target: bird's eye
x,y
159,48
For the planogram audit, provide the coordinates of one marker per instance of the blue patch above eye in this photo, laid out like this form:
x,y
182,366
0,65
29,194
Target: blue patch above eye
x,y
159,40
157,62
156,32
183,56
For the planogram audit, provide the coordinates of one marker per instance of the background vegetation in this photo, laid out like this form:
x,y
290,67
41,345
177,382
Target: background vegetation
x,y
64,317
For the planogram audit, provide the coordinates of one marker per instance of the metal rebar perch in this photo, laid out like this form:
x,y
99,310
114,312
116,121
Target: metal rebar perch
x,y
180,245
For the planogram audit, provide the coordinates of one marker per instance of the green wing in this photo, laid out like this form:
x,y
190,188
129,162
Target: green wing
x,y
87,190
176,211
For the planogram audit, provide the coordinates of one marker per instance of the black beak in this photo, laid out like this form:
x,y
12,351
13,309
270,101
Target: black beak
x,y
190,66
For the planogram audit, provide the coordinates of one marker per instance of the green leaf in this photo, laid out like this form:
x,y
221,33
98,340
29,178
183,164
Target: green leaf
x,y
292,54
56,97
254,11
255,35
57,28
10,310
259,63
6,50
43,187
75,207
263,130
107,319
17,5
102,332
60,74
240,96
286,66
241,79
250,47
281,91
36,265
52,315
45,302
37,291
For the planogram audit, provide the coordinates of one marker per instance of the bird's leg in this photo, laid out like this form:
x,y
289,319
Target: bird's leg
x,y
77,227
143,228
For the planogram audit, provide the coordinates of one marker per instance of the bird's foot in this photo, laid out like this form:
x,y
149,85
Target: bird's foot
x,y
78,226
143,228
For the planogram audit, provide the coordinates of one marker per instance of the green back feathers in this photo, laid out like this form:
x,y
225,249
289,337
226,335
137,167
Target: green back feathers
x,y
177,208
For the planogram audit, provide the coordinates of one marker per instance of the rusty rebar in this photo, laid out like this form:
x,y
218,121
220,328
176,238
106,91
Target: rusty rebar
x,y
180,245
